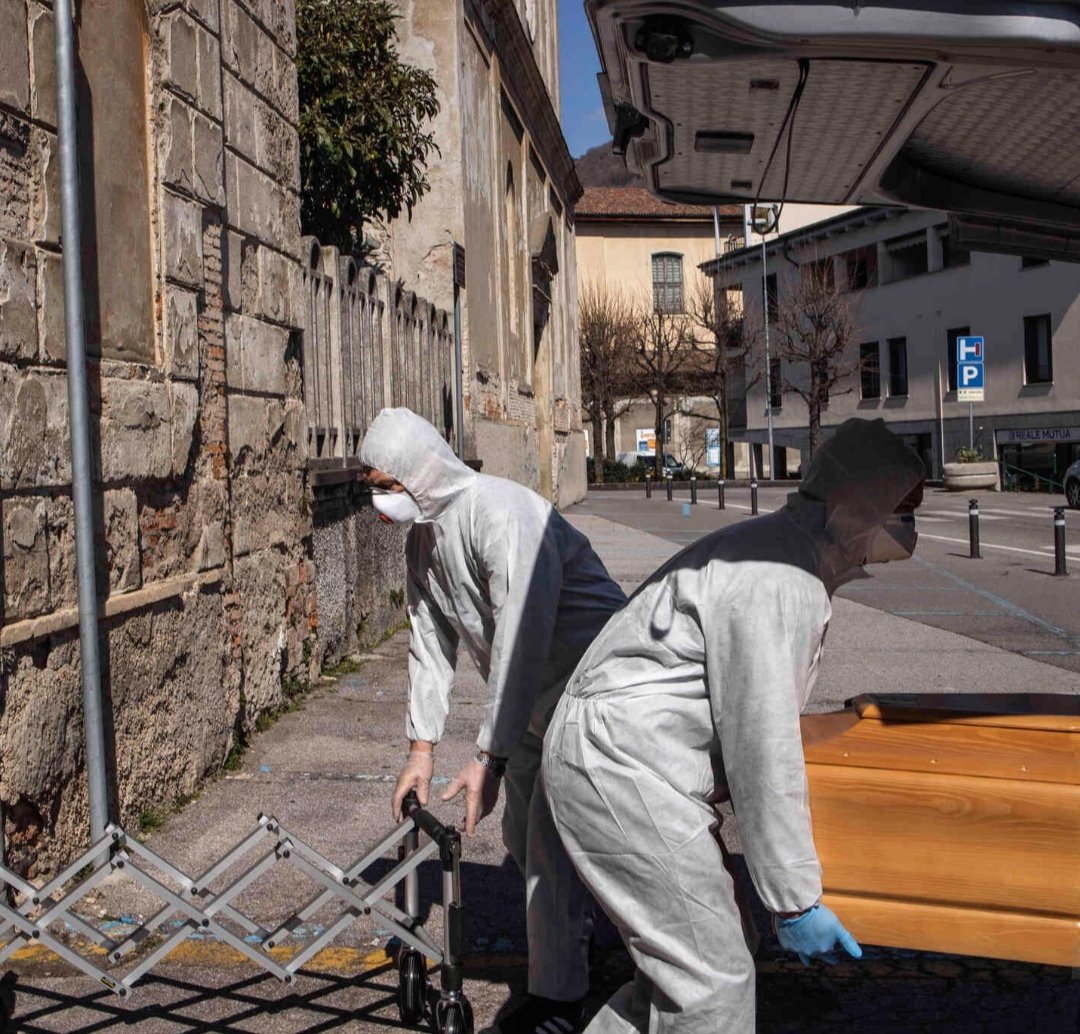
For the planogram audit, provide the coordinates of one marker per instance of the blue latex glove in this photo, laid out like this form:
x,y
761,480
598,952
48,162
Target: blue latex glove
x,y
815,935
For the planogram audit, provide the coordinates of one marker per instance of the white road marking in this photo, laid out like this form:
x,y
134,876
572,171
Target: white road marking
x,y
1073,553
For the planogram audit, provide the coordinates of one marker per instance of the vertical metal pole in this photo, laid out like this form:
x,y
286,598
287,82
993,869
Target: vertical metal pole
x,y
753,497
693,490
768,363
459,379
668,480
973,528
720,494
648,486
971,425
1060,569
81,471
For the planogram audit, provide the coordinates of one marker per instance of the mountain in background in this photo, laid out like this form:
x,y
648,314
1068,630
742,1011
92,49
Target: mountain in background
x,y
599,167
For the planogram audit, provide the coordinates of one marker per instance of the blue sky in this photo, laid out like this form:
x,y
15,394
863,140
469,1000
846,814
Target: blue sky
x,y
583,119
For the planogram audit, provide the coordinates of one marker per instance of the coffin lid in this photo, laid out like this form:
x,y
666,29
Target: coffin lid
x,y
1050,712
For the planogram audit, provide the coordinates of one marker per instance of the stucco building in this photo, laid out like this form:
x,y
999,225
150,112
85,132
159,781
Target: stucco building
x,y
502,197
651,251
914,292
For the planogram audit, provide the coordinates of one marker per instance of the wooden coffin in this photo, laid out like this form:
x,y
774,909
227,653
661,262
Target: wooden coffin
x,y
952,823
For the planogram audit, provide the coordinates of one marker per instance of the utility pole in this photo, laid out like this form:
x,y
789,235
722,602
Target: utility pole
x,y
747,222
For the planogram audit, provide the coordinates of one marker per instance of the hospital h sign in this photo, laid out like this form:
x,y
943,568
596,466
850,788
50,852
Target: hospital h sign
x,y
970,369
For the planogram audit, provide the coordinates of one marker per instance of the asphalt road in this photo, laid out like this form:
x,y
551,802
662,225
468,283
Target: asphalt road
x,y
1009,598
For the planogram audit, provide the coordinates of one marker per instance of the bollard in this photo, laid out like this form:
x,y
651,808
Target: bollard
x,y
693,491
753,497
668,479
720,494
648,486
1059,542
973,529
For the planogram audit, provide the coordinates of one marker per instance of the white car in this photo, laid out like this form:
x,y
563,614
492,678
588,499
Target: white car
x,y
970,108
1072,485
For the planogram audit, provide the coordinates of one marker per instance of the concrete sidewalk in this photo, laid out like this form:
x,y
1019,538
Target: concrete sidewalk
x,y
326,772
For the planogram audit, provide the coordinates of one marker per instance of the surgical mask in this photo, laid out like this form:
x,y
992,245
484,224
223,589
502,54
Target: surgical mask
x,y
399,507
894,540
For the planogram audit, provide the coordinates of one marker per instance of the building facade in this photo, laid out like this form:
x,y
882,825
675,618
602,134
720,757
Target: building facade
x,y
651,251
502,197
913,292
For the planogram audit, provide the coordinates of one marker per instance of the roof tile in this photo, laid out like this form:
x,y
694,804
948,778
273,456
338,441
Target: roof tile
x,y
639,203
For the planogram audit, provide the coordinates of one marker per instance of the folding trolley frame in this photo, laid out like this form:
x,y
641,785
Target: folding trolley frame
x,y
203,904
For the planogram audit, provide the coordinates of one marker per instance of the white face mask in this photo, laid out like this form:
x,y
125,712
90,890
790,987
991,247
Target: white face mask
x,y
399,507
894,540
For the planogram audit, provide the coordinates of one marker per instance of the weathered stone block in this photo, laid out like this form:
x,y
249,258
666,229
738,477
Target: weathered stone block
x,y
136,440
176,154
209,73
121,532
239,42
259,207
185,411
260,581
272,286
206,11
264,512
44,187
51,331
14,63
181,334
63,576
285,91
26,558
233,250
183,240
34,448
240,105
256,355
43,51
18,318
254,424
16,163
208,152
210,549
277,147
181,45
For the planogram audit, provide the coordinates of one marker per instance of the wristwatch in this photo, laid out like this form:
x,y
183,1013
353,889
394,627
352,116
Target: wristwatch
x,y
497,766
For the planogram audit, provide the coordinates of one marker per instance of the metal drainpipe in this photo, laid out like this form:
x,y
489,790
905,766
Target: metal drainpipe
x,y
81,471
459,402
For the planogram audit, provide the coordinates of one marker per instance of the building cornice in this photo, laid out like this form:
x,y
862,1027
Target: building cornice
x,y
500,24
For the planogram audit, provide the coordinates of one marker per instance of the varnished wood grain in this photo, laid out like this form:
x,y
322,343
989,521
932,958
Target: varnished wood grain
x,y
959,840
1052,712
1051,940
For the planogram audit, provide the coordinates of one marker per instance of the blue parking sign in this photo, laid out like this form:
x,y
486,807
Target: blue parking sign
x,y
970,369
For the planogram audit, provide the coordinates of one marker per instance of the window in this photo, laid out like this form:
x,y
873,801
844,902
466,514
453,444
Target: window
x,y
1038,350
870,370
898,385
1031,262
667,282
773,298
776,393
950,352
908,255
860,267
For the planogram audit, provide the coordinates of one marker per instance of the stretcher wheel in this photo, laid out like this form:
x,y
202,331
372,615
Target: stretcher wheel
x,y
454,1017
412,987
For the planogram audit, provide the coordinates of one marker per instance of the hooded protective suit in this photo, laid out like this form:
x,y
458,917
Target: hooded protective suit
x,y
494,568
696,687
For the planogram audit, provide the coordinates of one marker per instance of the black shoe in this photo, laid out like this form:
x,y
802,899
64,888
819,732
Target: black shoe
x,y
538,1015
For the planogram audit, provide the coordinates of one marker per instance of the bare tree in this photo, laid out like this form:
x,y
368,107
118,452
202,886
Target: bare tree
x,y
607,334
724,339
665,359
815,332
691,442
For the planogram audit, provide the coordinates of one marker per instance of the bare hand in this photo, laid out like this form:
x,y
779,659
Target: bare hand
x,y
416,775
481,788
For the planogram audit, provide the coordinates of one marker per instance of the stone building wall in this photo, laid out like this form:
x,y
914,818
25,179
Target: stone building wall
x,y
203,510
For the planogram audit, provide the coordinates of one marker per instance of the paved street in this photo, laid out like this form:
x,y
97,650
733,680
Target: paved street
x,y
326,772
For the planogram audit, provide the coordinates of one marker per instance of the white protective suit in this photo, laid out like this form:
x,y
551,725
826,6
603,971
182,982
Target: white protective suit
x,y
696,687
494,567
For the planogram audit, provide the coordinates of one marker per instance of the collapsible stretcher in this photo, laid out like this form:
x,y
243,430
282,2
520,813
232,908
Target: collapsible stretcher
x,y
208,905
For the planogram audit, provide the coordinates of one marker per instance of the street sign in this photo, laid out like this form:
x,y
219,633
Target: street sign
x,y
970,369
646,441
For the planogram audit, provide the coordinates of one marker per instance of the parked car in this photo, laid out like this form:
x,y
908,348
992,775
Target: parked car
x,y
1072,485
950,105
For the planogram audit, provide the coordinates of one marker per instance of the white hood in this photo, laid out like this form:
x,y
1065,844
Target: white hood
x,y
410,450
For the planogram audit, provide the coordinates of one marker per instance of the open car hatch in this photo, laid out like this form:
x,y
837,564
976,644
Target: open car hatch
x,y
968,107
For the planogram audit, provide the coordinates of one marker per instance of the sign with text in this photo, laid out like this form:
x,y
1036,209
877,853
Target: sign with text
x,y
970,369
646,441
